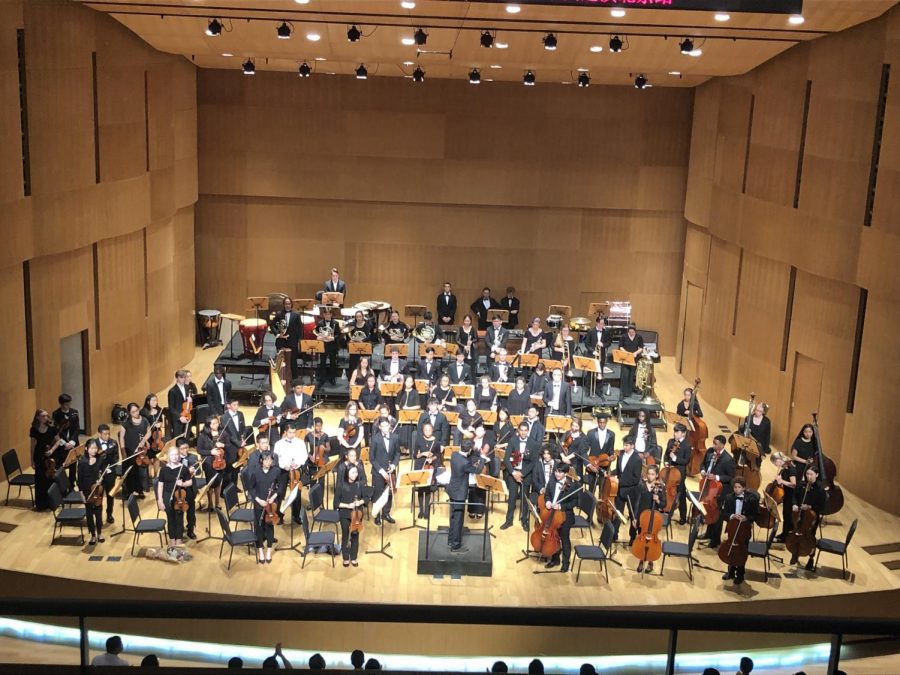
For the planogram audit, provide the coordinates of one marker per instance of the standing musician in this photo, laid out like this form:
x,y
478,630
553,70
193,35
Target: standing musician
x,y
558,496
535,339
485,394
563,347
318,438
460,372
682,408
347,438
396,331
333,285
130,436
643,435
648,492
482,306
292,455
788,473
327,332
428,454
601,441
426,327
65,417
628,471
632,343
521,454
446,306
542,472
429,369
519,399
501,371
444,394
437,420
109,454
574,448
535,426
172,476
151,412
235,439
192,467
718,464
360,373
457,490
182,391
511,304
286,324
804,450
384,456
211,443
484,450
394,368
741,504
678,454
761,429
537,383
558,395
358,330
43,438
296,408
597,341
467,342
90,482
810,494
496,336
369,399
253,459
407,399
218,390
263,490
268,412
350,500
351,458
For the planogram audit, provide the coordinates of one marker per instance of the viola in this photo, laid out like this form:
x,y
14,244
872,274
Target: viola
x,y
351,430
156,440
545,539
179,498
356,520
294,479
187,408
95,497
670,476
733,549
647,546
270,513
698,432
266,423
320,453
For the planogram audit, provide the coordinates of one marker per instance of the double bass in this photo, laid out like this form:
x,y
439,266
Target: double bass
x,y
670,476
710,489
834,500
698,432
746,451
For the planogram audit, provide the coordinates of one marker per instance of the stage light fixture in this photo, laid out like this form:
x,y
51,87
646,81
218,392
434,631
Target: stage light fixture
x,y
284,31
475,76
362,73
418,75
617,13
550,42
487,40
528,79
686,46
796,19
641,82
615,44
214,28
353,34
420,36
408,4
584,80
304,70
249,67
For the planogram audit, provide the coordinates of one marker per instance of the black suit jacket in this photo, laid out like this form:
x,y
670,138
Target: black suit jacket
x,y
490,334
750,508
567,499
517,404
512,306
176,400
446,307
537,475
495,374
293,329
565,399
724,468
290,402
441,426
629,475
383,455
460,468
529,458
590,339
479,310
386,368
595,449
682,452
215,402
536,432
433,375
234,436
456,379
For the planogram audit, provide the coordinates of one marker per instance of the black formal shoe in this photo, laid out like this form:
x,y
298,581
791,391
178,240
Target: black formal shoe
x,y
92,541
110,520
739,580
139,495
810,566
564,568
727,576
649,568
421,515
681,522
377,521
714,544
101,539
297,521
191,535
794,561
552,563
389,519
703,536
459,549
332,382
505,526
780,538
640,567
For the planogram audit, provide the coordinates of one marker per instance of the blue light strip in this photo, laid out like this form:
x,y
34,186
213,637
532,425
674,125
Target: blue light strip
x,y
218,654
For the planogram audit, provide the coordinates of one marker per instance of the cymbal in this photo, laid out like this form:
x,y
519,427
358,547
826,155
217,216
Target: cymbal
x,y
376,305
580,323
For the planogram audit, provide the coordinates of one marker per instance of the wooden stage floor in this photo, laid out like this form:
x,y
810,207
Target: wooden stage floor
x,y
24,548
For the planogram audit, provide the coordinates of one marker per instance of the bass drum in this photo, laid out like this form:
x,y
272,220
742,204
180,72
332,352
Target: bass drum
x,y
554,321
308,327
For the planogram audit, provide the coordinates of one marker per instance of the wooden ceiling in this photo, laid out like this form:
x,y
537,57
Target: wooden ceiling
x,y
454,27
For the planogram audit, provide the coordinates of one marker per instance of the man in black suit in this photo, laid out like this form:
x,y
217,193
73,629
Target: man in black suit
x,y
385,456
296,400
634,344
458,489
181,391
446,306
481,307
218,390
558,395
393,368
535,426
598,340
601,441
289,335
678,454
429,369
438,422
234,432
561,495
511,304
742,505
718,465
501,371
628,471
541,472
110,450
496,336
334,285
459,372
327,331
66,415
518,474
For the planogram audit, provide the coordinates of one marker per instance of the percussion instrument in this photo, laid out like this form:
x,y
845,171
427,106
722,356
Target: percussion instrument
x,y
554,321
276,301
210,322
348,312
253,332
307,327
580,323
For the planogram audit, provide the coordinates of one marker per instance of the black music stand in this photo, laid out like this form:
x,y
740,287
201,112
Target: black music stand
x,y
292,546
209,510
529,552
414,479
384,547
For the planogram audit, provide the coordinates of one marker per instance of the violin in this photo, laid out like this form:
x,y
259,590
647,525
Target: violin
x,y
157,444
319,455
266,423
141,458
698,432
294,479
187,408
647,546
270,510
95,497
733,549
356,519
351,430
179,497
219,463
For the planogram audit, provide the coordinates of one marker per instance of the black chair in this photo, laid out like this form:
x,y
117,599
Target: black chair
x,y
63,515
760,549
838,547
69,496
676,549
600,553
587,504
316,540
238,538
15,477
236,514
143,525
321,515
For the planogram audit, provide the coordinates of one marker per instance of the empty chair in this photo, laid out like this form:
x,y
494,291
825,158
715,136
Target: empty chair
x,y
587,504
63,515
760,549
15,477
235,514
69,496
238,538
143,525
321,515
678,550
599,553
316,540
837,547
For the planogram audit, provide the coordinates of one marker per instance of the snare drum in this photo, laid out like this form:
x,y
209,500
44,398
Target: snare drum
x,y
554,321
253,333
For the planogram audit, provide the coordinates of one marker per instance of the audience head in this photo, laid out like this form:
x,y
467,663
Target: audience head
x,y
499,667
711,671
271,663
373,664
587,669
357,658
536,667
150,661
317,662
235,663
746,662
114,645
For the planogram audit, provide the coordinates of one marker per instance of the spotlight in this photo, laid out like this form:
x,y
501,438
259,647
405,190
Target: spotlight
x,y
353,34
214,29
528,79
641,82
475,76
418,75
284,31
249,67
362,73
487,40
686,46
615,44
796,19
305,70
584,80
420,36
550,42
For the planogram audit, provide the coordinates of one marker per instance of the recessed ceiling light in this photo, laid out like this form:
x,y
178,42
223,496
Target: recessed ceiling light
x,y
302,2
583,70
618,13
796,19
695,52
675,72
722,16
596,49
501,45
409,63
408,4
513,9
496,66
313,37
488,79
321,58
227,54
408,41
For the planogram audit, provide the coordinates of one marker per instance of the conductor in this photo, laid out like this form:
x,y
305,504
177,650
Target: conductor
x,y
461,467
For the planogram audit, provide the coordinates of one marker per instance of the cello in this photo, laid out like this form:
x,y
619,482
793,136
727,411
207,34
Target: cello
x,y
698,432
647,547
834,500
710,489
801,541
545,539
670,476
733,549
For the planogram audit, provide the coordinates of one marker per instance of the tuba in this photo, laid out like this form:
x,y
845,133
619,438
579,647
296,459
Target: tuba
x,y
425,333
645,379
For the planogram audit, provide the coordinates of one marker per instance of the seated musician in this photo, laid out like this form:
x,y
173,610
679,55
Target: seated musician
x,y
350,421
460,372
437,420
482,306
426,331
466,422
742,504
334,285
351,458
317,439
501,371
269,414
803,450
396,331
558,395
643,434
485,395
429,368
428,454
496,336
649,492
682,408
519,399
395,368
358,330
444,394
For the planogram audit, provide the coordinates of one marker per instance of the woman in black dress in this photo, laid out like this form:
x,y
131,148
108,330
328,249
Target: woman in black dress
x,y
90,475
211,444
172,476
537,383
133,431
348,423
485,394
262,487
408,399
466,422
787,477
152,413
350,499
362,370
43,437
444,394
429,454
578,447
761,429
804,449
503,428
467,339
370,399
519,398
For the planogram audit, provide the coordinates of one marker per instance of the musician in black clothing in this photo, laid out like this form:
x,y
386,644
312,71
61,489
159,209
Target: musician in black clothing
x,y
109,455
521,455
597,341
90,482
236,437
446,306
65,417
211,443
438,422
385,456
573,455
351,458
133,431
682,408
649,494
495,337
678,455
519,399
393,368
182,391
315,440
741,504
334,284
327,333
511,304
803,449
396,331
193,466
296,409
485,394
444,394
634,344
171,476
428,454
263,489
788,473
718,465
809,495
460,467
269,414
460,372
628,471
501,371
601,441
429,368
369,399
760,427
561,495
218,390
350,499
558,395
287,326
484,449
481,307
542,472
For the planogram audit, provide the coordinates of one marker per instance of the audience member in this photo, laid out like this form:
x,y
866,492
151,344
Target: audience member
x,y
114,647
150,661
317,662
499,667
587,669
271,662
711,671
536,667
746,666
373,664
357,659
235,663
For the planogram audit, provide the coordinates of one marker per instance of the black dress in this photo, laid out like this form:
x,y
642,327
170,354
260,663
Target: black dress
x,y
174,517
42,442
349,493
